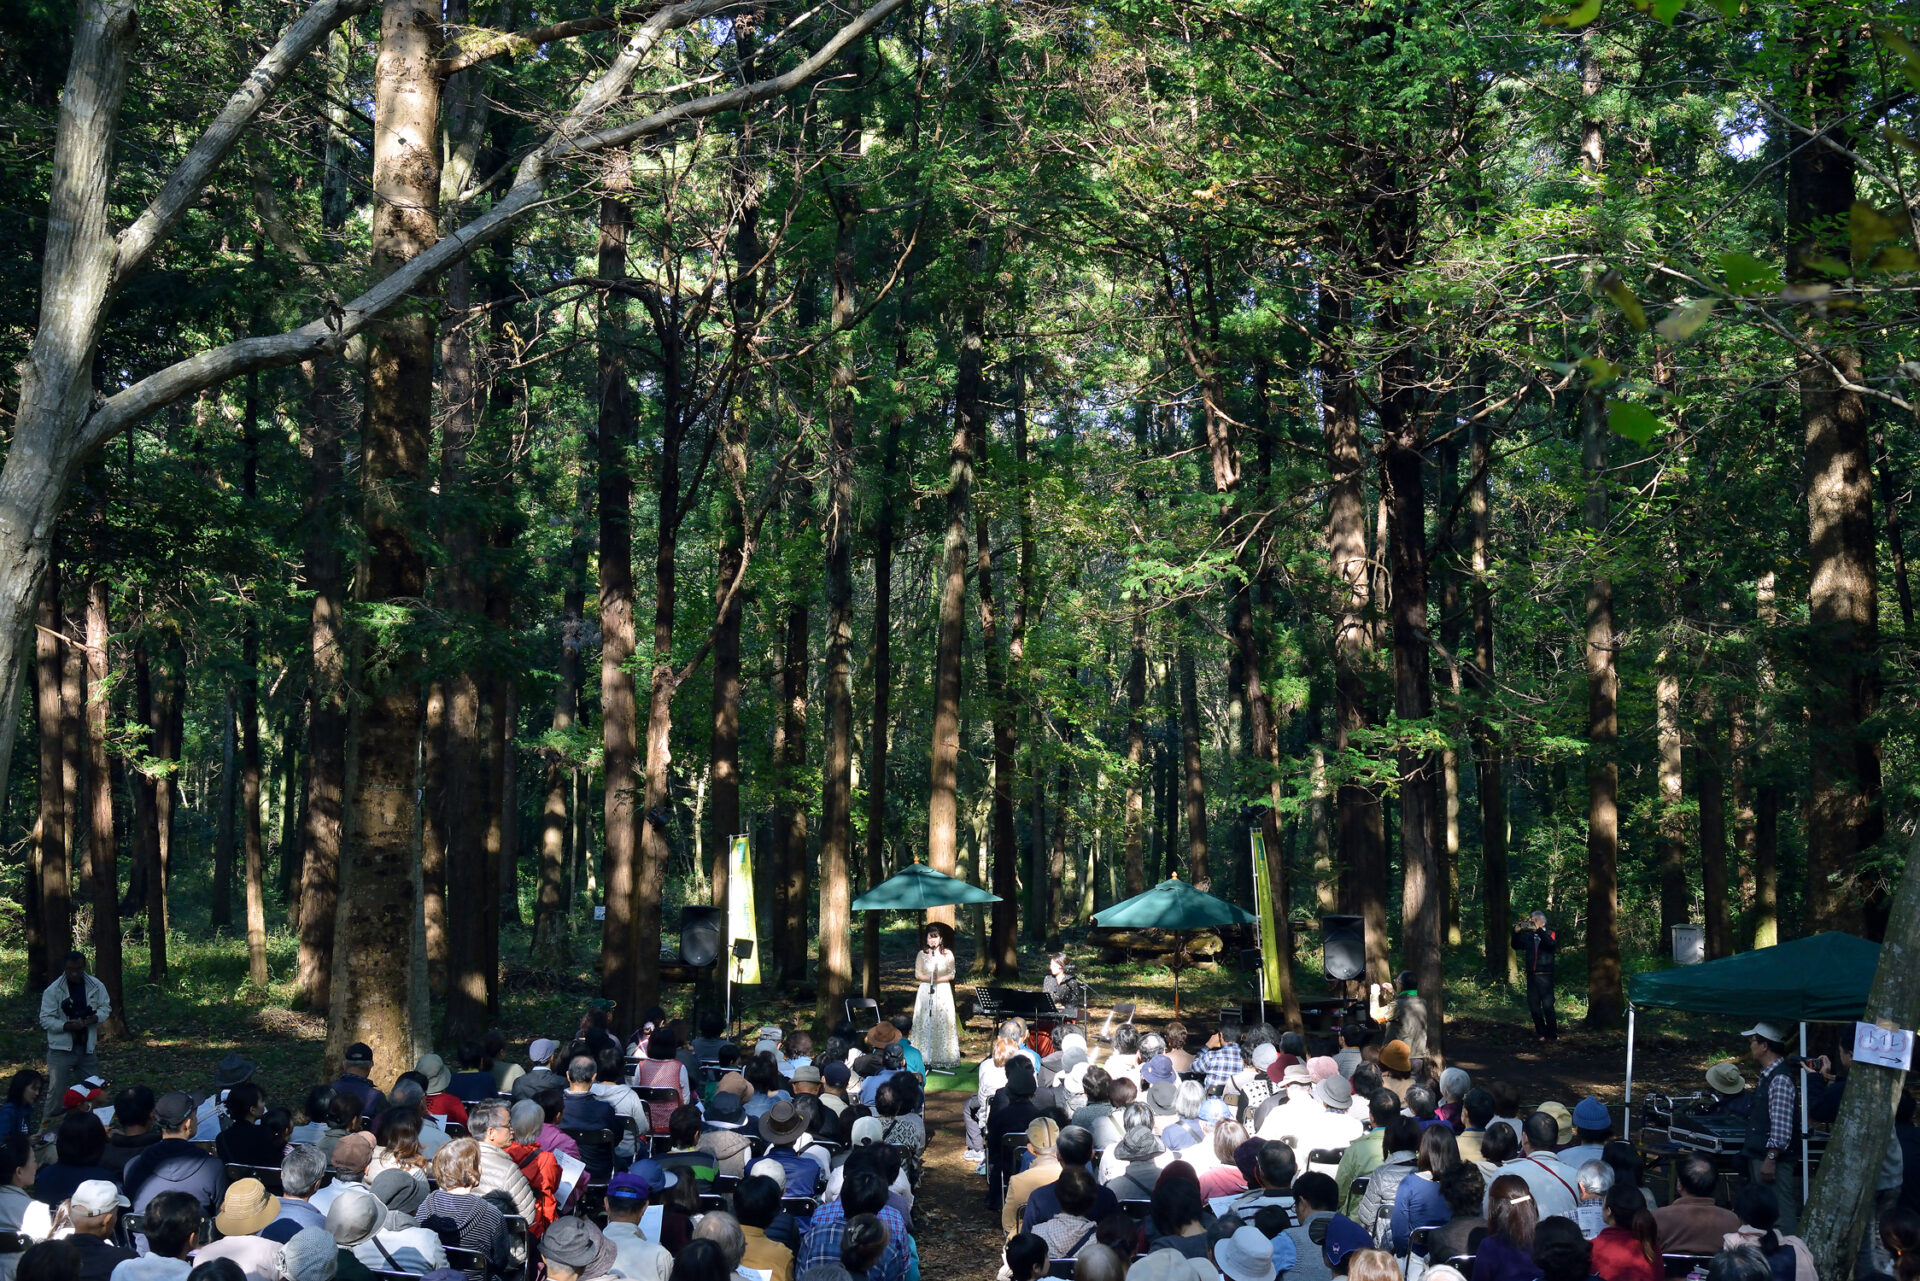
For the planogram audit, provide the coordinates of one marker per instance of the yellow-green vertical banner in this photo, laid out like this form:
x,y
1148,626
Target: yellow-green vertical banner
x,y
741,921
1269,933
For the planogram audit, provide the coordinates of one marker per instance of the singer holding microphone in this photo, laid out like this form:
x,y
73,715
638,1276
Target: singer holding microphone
x,y
935,1030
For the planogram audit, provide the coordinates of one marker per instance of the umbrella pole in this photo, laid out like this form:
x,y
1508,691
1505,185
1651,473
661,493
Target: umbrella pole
x,y
1626,1131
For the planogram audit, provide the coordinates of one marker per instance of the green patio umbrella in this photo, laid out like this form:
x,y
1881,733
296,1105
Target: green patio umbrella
x,y
1172,905
916,888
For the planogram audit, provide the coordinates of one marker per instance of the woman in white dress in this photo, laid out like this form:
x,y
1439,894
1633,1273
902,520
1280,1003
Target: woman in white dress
x,y
936,1033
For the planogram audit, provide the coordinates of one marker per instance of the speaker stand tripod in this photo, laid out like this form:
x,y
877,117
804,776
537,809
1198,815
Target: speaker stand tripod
x,y
742,952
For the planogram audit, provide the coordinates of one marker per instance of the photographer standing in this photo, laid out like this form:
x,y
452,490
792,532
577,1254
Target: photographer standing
x,y
1536,945
71,1010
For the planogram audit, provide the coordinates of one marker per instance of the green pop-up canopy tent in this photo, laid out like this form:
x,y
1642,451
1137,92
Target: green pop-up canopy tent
x,y
1820,979
916,888
1824,978
1172,905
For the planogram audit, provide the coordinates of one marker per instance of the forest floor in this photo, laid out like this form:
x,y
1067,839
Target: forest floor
x,y
208,1009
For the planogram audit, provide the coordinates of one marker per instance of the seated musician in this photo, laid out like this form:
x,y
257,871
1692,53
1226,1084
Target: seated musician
x,y
1730,1094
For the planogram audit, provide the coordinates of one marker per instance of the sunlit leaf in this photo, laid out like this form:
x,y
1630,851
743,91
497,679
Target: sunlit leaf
x,y
1583,13
1895,258
1615,288
1748,275
1868,228
1636,422
1685,320
1600,371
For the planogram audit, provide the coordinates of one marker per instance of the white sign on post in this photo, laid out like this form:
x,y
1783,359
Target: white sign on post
x,y
1889,1047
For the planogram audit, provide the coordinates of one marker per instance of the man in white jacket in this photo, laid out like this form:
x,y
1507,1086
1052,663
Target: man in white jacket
x,y
71,1010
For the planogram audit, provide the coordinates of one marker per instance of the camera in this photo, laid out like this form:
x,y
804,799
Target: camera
x,y
73,1011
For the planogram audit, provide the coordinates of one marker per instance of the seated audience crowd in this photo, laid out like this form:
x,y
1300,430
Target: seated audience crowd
x,y
681,1155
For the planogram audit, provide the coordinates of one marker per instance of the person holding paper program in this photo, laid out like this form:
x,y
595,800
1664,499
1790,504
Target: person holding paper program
x,y
935,1029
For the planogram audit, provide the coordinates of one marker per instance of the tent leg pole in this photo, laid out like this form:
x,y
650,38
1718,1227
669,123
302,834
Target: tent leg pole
x,y
1626,1130
1800,1086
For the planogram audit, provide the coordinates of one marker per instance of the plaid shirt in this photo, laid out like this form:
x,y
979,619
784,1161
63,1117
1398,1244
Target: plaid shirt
x,y
830,1224
1220,1065
1781,1104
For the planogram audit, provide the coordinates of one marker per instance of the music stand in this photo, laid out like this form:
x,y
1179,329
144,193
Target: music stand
x,y
742,951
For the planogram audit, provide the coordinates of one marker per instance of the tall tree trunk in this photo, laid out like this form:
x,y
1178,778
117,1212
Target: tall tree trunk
x,y
1766,816
146,851
1840,1211
1844,818
1606,999
50,831
1676,901
882,651
373,994
1359,823
1424,877
1003,950
791,889
1057,852
1447,572
433,838
554,906
73,744
326,692
650,875
1890,522
835,970
106,850
255,855
619,712
459,792
943,804
1489,763
1136,807
1193,780
169,732
1710,782
221,914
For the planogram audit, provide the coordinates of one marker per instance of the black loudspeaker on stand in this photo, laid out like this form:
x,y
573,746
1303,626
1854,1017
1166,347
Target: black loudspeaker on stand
x,y
699,935
1343,944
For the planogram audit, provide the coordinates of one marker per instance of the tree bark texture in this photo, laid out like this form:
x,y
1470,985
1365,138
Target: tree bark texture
x,y
619,718
106,849
1844,818
52,825
943,802
373,993
253,852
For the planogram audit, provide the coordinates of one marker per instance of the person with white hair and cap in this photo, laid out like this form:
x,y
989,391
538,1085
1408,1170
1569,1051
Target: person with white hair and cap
x,y
94,1210
1454,1084
541,1073
1323,1122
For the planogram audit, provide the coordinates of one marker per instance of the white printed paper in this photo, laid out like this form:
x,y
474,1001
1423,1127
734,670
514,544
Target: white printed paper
x,y
1886,1047
571,1172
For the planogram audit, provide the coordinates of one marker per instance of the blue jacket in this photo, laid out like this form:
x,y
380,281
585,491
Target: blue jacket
x,y
1417,1204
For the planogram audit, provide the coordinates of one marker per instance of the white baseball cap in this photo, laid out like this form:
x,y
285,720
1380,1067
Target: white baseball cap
x,y
1767,1032
96,1197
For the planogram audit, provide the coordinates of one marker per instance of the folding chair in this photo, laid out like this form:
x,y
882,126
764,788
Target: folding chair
x,y
1326,1156
1358,1188
666,1096
863,1003
1680,1265
455,1130
1061,1268
1137,1210
471,1262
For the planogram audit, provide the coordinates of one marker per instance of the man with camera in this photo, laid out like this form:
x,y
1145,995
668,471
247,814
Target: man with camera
x,y
1536,945
71,1010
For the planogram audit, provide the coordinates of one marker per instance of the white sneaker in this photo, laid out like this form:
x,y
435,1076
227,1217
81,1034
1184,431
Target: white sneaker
x,y
972,1157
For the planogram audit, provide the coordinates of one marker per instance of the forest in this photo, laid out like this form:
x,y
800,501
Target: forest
x,y
464,467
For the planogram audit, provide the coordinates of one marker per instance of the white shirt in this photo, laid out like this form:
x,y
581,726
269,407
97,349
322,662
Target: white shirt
x,y
151,1267
413,1250
1310,1127
635,1256
53,1018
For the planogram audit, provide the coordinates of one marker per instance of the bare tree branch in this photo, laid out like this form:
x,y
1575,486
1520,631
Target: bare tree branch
x,y
330,333
184,184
